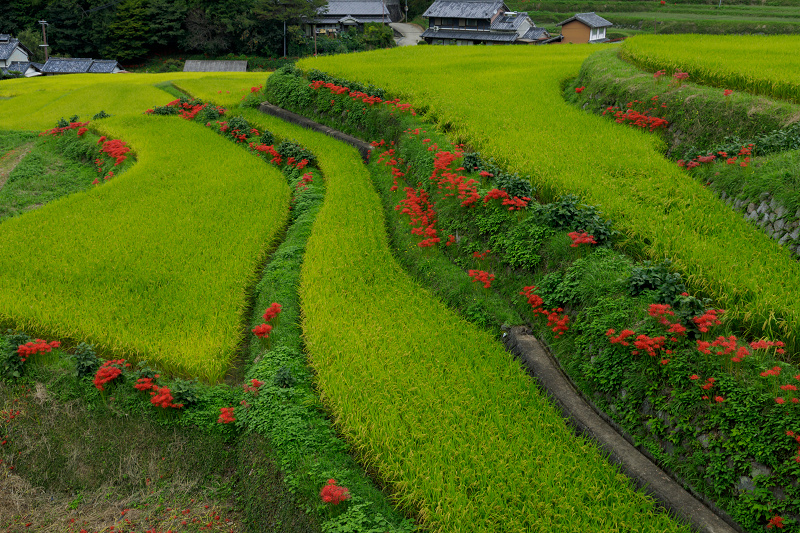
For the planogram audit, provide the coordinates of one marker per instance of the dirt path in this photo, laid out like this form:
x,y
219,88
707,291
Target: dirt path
x,y
9,161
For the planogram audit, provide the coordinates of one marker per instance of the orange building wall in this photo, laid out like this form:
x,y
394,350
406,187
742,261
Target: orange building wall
x,y
576,32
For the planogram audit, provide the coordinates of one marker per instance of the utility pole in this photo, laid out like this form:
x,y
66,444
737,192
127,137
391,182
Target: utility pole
x,y
44,38
284,39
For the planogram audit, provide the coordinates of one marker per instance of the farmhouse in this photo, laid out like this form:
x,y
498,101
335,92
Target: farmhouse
x,y
341,15
479,22
584,28
80,65
15,57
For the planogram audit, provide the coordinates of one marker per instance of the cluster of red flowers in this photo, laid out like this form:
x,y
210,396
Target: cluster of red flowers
x,y
777,521
109,371
796,437
159,396
30,349
727,347
680,77
116,150
579,90
482,277
634,118
657,75
448,180
708,319
268,149
653,346
226,415
358,95
745,152
263,330
333,493
481,255
727,92
418,206
253,386
305,180
555,320
581,237
72,126
299,165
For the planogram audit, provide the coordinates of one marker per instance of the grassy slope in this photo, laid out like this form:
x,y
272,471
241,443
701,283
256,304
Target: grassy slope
x,y
435,405
157,260
527,125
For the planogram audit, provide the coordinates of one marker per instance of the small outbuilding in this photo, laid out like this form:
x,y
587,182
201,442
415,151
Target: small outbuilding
x,y
202,65
80,65
13,51
584,28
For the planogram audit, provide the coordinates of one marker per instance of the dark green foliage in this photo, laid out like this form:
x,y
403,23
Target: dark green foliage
x,y
238,124
771,142
209,113
520,246
184,391
289,149
657,277
11,365
62,123
567,213
284,378
101,114
129,33
267,138
86,361
165,110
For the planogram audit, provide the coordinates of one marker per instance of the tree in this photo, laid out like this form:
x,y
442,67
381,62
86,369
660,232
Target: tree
x,y
32,38
166,19
69,29
128,35
286,10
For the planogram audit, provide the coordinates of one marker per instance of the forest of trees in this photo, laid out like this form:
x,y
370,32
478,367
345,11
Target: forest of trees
x,y
128,30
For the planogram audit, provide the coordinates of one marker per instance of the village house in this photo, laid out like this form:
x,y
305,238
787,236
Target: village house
x,y
15,57
341,15
469,22
584,28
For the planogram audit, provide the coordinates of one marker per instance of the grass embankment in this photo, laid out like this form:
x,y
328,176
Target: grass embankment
x,y
36,170
700,117
623,172
436,406
158,260
760,64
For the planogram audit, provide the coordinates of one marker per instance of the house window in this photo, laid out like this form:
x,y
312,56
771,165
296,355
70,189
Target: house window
x,y
462,22
472,23
437,22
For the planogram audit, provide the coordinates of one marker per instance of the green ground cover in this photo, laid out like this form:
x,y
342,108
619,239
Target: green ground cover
x,y
622,171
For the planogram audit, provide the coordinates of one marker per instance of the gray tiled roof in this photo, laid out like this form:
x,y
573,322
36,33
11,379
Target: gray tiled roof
x,y
470,35
59,65
506,22
17,66
356,9
104,66
534,34
7,47
590,19
199,65
466,9
4,37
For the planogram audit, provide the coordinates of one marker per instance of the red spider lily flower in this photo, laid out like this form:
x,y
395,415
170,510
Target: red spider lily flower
x,y
485,174
708,319
272,311
579,238
226,415
579,90
776,522
450,240
774,371
109,371
482,277
253,386
162,397
779,400
719,399
694,377
334,494
262,331
620,339
727,92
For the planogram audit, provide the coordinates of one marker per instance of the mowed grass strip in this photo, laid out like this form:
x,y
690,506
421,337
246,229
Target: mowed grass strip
x,y
155,263
760,64
532,130
436,406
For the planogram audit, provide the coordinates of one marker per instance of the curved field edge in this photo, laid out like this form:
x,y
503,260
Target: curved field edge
x,y
758,64
156,263
663,212
435,406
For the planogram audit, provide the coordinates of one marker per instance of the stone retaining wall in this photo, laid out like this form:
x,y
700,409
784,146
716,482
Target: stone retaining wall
x,y
770,216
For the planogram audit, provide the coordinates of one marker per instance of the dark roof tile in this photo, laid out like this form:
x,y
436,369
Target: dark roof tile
x,y
468,9
590,19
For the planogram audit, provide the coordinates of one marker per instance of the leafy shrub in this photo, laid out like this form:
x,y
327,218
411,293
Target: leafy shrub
x,y
210,113
656,277
101,114
284,378
519,247
569,213
239,124
11,365
184,391
267,138
289,149
86,361
165,110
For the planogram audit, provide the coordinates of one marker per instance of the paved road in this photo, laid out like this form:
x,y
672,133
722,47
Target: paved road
x,y
410,33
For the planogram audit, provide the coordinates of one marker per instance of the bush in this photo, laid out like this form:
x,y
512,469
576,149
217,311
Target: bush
x,y
86,361
289,149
